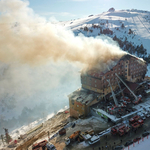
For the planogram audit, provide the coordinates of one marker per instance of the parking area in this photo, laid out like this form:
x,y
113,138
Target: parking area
x,y
109,141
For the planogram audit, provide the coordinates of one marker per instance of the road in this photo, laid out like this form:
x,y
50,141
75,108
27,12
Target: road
x,y
110,141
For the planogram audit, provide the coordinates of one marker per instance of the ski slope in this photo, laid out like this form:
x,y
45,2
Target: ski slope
x,y
136,20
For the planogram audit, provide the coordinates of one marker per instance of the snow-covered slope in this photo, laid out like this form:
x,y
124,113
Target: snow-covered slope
x,y
120,22
42,88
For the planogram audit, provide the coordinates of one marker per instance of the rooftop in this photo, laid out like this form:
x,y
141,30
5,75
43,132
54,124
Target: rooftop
x,y
95,72
81,95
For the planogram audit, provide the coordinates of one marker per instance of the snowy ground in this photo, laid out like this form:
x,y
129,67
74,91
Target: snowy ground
x,y
136,20
24,129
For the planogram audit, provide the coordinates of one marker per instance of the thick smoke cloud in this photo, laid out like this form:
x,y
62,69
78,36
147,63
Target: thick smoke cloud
x,y
28,38
34,56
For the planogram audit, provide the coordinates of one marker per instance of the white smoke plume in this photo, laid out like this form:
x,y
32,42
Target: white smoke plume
x,y
29,46
28,38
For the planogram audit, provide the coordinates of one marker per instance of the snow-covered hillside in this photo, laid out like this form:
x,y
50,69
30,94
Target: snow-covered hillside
x,y
130,25
29,93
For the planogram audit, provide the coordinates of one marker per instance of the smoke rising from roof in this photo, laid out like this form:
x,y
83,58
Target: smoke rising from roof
x,y
28,45
28,38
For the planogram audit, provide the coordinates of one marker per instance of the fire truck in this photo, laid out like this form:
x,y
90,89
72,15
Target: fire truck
x,y
39,146
137,124
120,129
134,119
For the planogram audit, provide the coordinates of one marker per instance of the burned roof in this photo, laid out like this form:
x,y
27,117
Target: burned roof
x,y
81,95
98,73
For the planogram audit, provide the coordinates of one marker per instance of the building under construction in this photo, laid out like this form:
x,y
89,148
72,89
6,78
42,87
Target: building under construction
x,y
97,85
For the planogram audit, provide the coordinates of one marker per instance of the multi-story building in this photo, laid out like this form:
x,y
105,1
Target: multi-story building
x,y
129,67
95,82
80,101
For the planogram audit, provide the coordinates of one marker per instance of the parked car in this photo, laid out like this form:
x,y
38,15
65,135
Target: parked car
x,y
144,118
129,142
62,131
148,115
39,145
136,139
50,146
104,132
145,133
73,125
119,147
94,139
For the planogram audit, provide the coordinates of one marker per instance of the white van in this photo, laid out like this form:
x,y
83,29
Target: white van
x,y
94,139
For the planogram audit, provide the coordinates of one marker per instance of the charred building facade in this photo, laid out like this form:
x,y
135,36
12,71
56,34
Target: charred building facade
x,y
129,68
95,84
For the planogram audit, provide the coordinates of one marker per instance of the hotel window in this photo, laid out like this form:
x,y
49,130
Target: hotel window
x,y
77,105
72,101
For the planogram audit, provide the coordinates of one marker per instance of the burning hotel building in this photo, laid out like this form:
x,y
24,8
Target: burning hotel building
x,y
95,83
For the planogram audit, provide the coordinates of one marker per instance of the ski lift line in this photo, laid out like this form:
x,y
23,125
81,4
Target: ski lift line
x,y
126,86
136,25
143,24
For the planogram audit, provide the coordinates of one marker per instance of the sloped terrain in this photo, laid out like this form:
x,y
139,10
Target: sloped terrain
x,y
130,28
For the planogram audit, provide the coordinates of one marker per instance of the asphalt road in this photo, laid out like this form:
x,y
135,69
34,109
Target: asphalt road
x,y
110,141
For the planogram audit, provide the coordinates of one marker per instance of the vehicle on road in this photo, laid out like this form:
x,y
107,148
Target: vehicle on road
x,y
39,145
129,142
144,118
62,131
119,147
104,132
137,124
120,129
134,119
136,139
94,139
73,137
90,132
73,125
50,146
145,133
148,115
